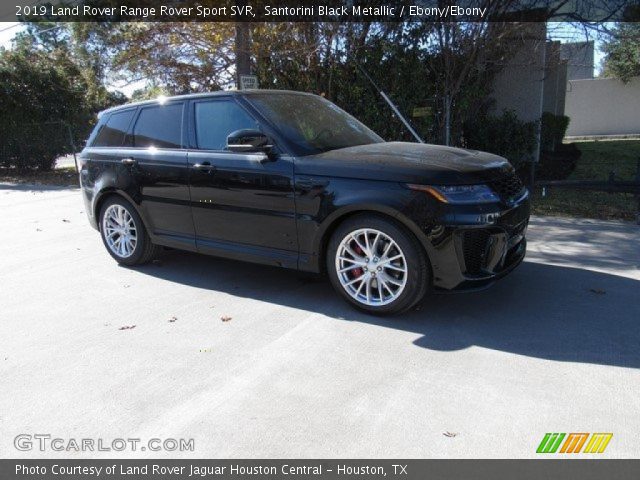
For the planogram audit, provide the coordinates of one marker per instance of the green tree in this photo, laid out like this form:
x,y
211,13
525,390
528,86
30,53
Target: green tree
x,y
148,93
325,58
40,94
177,57
47,94
623,52
83,45
418,64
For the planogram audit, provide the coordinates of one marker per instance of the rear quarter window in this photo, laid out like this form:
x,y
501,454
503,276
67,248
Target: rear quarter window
x,y
113,131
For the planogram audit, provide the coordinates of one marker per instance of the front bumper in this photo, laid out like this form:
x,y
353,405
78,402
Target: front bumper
x,y
474,245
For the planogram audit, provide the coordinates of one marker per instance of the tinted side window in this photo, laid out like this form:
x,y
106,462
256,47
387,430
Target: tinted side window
x,y
159,126
215,120
112,133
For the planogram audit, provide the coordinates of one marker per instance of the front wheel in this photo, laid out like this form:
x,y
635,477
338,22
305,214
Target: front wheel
x,y
376,265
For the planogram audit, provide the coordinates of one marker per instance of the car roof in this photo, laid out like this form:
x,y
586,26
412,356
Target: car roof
x,y
190,96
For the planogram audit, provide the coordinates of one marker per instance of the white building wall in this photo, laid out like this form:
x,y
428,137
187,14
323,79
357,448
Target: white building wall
x,y
603,106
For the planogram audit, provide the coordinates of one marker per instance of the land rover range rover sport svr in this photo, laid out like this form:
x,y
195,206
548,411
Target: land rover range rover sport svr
x,y
291,180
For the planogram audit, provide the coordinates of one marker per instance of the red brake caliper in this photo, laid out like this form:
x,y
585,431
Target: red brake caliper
x,y
356,272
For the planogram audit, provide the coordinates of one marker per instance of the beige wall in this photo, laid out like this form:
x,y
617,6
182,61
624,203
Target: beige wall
x,y
555,80
580,59
519,85
603,106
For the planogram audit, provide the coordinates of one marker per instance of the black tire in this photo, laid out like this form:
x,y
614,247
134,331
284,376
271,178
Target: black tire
x,y
144,250
417,265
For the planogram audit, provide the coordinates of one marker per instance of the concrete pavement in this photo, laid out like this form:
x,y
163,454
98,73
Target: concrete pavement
x,y
295,372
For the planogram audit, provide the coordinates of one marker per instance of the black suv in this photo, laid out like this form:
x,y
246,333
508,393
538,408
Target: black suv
x,y
289,179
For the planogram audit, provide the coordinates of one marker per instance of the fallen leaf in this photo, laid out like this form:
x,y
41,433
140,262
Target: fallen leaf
x,y
450,434
225,318
172,319
597,291
127,327
66,221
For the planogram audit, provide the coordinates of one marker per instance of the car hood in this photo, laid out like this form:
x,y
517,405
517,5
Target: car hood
x,y
406,162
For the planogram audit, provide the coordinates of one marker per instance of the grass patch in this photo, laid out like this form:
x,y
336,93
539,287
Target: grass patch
x,y
65,177
598,159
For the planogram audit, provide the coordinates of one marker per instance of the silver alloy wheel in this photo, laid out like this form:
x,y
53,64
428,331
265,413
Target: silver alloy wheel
x,y
371,267
119,230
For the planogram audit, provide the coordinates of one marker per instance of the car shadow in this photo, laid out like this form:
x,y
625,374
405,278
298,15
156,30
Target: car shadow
x,y
552,312
36,187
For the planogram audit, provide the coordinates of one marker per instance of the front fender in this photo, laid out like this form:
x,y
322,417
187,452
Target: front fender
x,y
320,212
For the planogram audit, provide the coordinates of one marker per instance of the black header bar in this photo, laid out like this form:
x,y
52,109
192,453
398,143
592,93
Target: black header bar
x,y
314,11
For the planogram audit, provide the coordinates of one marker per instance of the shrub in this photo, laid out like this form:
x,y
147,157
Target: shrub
x,y
41,95
552,130
558,164
504,135
33,146
557,161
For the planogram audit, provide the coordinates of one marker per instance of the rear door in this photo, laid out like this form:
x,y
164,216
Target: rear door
x,y
242,207
156,163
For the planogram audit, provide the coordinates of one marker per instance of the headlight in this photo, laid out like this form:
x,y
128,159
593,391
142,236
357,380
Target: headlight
x,y
459,194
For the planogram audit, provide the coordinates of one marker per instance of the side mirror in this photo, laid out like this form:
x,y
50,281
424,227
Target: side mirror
x,y
248,141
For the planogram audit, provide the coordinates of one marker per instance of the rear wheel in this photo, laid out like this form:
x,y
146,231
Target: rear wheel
x,y
124,234
376,265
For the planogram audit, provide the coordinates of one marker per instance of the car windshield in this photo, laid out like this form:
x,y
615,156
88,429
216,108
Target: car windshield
x,y
313,124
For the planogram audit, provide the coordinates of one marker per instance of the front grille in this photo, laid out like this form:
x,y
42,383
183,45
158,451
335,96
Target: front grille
x,y
474,248
509,188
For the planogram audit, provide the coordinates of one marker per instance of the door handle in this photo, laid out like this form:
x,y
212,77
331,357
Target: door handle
x,y
128,161
204,167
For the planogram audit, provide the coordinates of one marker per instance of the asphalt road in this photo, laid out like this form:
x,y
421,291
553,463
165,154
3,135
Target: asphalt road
x,y
295,372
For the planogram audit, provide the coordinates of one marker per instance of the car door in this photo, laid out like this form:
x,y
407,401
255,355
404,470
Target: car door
x,y
243,207
156,160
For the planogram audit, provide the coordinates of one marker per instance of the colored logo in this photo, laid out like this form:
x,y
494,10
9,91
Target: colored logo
x,y
574,443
